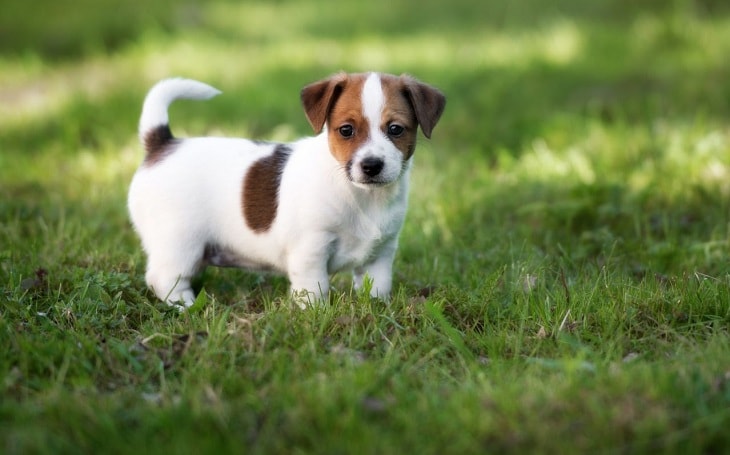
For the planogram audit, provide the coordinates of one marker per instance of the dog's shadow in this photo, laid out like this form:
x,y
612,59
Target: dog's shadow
x,y
239,286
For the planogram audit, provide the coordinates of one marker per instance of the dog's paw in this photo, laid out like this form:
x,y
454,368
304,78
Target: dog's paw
x,y
183,301
306,299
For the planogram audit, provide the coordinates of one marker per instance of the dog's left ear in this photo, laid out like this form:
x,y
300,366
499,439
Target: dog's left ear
x,y
319,97
428,102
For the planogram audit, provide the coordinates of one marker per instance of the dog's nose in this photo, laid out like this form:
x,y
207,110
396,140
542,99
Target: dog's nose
x,y
372,166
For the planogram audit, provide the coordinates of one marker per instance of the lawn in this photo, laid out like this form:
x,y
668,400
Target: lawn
x,y
563,279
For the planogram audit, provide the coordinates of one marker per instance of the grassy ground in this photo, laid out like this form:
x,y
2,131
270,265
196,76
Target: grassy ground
x,y
563,279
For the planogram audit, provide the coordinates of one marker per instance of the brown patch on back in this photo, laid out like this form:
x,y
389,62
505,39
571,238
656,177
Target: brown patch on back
x,y
261,189
158,142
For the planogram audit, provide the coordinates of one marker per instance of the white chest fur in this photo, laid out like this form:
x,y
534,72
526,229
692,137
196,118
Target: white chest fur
x,y
353,225
372,227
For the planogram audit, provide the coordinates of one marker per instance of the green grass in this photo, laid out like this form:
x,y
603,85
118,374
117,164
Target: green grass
x,y
563,281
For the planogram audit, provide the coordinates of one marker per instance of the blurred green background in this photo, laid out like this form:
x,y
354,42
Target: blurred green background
x,y
546,61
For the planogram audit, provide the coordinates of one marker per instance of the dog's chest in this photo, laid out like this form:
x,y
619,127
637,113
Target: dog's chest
x,y
360,239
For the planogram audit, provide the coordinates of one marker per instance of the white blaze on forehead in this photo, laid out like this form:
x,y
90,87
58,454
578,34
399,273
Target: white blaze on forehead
x,y
377,145
373,101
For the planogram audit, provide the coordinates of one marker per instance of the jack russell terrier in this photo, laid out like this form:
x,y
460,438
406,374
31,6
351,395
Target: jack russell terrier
x,y
307,209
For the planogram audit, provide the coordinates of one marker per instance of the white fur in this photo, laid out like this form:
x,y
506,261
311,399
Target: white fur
x,y
324,223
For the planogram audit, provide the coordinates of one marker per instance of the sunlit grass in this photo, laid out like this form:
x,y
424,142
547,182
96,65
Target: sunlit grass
x,y
691,156
30,91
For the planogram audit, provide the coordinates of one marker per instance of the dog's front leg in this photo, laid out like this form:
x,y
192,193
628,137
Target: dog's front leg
x,y
307,271
380,271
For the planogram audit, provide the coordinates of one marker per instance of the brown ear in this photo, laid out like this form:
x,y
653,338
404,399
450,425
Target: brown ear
x,y
428,103
319,97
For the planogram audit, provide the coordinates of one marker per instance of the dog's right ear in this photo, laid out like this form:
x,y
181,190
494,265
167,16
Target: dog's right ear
x,y
319,97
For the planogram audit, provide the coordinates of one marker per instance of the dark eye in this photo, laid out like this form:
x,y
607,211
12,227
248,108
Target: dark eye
x,y
395,130
346,131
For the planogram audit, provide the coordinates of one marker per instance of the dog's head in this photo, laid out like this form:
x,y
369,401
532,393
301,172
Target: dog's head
x,y
372,120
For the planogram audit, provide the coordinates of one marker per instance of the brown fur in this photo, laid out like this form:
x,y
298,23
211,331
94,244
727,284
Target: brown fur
x,y
319,97
158,142
261,189
347,110
428,103
399,110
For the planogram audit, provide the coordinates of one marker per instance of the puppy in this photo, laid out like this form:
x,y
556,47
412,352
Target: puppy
x,y
308,209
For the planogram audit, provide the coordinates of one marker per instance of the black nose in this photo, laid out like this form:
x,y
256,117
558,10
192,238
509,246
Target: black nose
x,y
372,166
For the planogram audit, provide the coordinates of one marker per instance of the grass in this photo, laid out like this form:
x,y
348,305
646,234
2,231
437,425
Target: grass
x,y
563,278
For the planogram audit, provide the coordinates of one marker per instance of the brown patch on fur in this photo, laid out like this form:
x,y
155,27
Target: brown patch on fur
x,y
399,110
337,101
319,97
428,102
158,142
261,189
347,110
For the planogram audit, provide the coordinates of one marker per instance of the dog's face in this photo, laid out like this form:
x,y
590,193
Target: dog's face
x,y
372,121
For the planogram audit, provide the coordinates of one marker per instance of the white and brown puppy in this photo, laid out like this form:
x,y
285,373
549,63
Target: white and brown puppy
x,y
307,209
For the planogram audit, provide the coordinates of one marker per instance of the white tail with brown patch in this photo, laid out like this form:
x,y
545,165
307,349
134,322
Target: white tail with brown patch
x,y
159,98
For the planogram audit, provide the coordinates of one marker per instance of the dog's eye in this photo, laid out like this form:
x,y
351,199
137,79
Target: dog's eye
x,y
395,130
346,131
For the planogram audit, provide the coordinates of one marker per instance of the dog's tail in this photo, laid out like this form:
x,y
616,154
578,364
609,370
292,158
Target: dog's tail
x,y
154,128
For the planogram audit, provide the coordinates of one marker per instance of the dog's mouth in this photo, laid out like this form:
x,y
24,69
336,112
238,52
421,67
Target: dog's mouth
x,y
370,182
361,179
